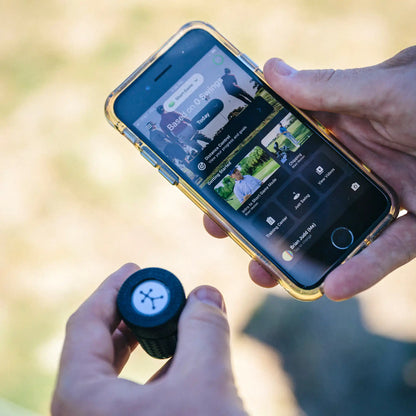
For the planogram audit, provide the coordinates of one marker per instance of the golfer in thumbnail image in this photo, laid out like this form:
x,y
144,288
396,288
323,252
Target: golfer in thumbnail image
x,y
283,130
157,137
229,81
169,147
183,131
164,143
245,185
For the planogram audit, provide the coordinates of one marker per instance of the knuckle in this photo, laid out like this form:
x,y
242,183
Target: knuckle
x,y
72,321
405,57
210,316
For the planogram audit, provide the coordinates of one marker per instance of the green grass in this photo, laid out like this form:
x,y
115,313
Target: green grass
x,y
265,170
298,130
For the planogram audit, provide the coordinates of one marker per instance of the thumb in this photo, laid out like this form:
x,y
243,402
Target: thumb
x,y
350,91
203,337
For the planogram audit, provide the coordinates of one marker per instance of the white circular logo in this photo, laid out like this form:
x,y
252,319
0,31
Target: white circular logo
x,y
202,166
150,297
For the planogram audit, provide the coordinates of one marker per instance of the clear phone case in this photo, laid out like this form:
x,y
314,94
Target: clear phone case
x,y
190,192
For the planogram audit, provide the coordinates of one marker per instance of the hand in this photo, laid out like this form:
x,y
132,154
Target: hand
x,y
372,112
197,381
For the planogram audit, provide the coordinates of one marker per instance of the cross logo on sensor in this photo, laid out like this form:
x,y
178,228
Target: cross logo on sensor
x,y
150,297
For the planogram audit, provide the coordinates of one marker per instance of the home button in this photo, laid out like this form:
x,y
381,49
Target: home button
x,y
342,238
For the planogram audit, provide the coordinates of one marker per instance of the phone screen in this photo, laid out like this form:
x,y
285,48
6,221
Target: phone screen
x,y
253,157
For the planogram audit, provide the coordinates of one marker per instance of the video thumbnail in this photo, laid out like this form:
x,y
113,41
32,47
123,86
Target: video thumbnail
x,y
286,138
246,178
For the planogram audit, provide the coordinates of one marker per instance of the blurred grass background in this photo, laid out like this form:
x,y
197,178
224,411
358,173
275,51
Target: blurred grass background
x,y
77,201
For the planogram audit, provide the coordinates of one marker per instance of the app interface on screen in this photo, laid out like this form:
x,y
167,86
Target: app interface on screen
x,y
273,176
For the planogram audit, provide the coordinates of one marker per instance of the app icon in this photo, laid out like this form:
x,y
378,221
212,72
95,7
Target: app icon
x,y
287,255
355,186
297,197
202,166
270,220
322,172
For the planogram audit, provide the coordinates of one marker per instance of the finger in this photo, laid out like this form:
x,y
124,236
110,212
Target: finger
x,y
203,349
213,228
395,247
88,346
124,343
261,276
351,91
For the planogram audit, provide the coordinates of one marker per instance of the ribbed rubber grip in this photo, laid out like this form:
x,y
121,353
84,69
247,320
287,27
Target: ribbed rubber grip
x,y
159,348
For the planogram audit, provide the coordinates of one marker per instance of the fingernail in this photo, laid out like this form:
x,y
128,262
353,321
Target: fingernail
x,y
282,68
211,296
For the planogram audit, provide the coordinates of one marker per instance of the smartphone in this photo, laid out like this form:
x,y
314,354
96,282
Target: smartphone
x,y
201,112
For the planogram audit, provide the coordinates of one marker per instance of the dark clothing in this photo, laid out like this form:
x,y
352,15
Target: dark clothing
x,y
178,127
164,144
229,82
174,151
158,138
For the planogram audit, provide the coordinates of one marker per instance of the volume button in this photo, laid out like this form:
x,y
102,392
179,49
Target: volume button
x,y
169,175
131,137
153,160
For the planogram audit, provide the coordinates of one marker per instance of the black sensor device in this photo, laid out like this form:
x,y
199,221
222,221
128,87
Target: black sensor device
x,y
150,302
